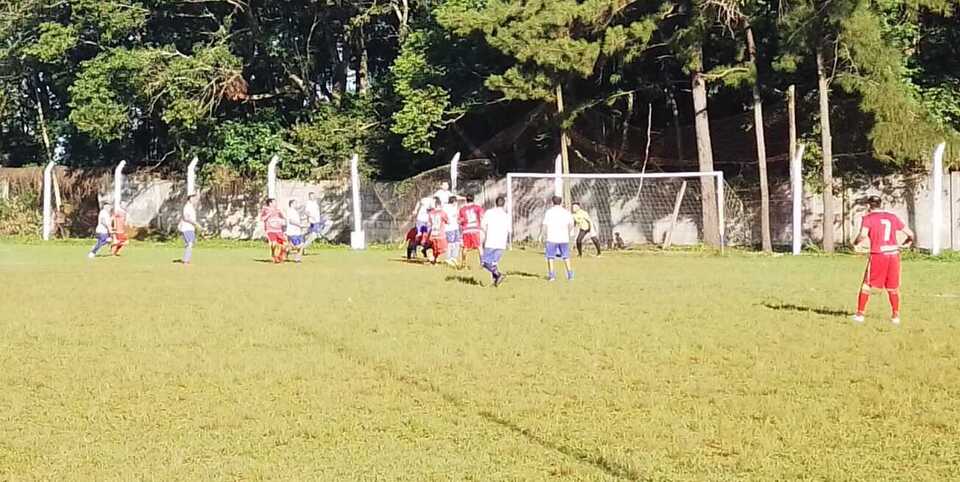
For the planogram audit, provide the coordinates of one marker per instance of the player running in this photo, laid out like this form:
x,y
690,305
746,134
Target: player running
x,y
452,231
118,230
581,218
273,223
496,228
104,221
188,227
883,269
294,230
315,220
437,226
558,222
470,218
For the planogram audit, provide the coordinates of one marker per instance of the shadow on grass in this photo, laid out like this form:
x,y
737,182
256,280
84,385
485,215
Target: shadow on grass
x,y
610,467
804,309
522,274
417,261
467,280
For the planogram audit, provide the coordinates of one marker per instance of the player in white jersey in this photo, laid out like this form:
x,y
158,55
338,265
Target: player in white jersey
x,y
294,230
452,231
444,192
422,213
557,223
496,227
104,222
188,227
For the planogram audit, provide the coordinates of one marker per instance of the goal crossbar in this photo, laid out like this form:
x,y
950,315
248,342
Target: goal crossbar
x,y
717,175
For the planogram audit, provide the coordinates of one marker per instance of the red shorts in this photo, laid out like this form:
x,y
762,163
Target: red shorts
x,y
276,238
471,240
120,238
439,245
883,271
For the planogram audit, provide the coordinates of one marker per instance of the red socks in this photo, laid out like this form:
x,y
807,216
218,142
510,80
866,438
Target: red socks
x,y
864,297
862,300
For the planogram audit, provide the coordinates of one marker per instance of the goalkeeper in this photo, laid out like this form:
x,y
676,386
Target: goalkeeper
x,y
582,221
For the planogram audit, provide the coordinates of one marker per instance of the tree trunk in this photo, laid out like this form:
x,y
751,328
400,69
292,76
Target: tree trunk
x,y
676,124
761,147
362,69
708,191
826,140
564,144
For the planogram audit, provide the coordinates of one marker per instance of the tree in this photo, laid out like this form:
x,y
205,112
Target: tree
x,y
552,42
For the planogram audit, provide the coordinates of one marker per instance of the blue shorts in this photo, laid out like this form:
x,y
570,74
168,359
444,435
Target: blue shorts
x,y
453,236
315,228
558,250
492,256
189,236
295,239
103,238
422,228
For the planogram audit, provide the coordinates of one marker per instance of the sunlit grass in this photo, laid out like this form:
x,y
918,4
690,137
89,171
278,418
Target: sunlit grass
x,y
355,365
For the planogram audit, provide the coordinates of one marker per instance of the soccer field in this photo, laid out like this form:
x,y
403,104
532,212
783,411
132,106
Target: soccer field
x,y
356,365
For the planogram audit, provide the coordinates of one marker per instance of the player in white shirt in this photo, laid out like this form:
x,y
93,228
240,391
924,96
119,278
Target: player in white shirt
x,y
557,223
422,213
452,231
444,192
104,221
294,230
496,228
188,227
314,220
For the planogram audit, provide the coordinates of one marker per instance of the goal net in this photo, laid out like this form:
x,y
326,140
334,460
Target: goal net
x,y
642,209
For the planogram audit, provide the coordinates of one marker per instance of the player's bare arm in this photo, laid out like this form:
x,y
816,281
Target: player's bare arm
x,y
910,237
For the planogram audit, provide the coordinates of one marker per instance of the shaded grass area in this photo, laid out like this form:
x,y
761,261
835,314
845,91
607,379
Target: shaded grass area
x,y
351,366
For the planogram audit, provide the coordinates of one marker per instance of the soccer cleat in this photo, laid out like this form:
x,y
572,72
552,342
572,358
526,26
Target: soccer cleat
x,y
551,277
497,281
857,318
895,320
91,255
569,275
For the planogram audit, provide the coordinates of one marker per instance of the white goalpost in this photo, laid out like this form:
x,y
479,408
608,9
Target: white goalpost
x,y
650,208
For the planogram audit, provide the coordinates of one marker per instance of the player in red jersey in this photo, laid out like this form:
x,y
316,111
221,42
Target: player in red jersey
x,y
119,230
273,223
471,214
883,270
438,224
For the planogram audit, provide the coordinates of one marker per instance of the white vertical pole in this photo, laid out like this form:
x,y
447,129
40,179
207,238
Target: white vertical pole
x,y
936,221
510,207
558,175
272,177
118,184
721,197
796,188
454,172
192,176
357,240
47,204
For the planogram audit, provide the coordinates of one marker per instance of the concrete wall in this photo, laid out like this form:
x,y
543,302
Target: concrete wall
x,y
387,208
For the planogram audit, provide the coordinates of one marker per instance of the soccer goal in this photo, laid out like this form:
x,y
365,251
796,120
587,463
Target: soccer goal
x,y
676,208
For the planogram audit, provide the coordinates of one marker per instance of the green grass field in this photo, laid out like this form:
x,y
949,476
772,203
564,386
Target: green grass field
x,y
357,366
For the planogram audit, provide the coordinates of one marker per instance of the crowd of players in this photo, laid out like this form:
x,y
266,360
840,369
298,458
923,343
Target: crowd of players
x,y
449,226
